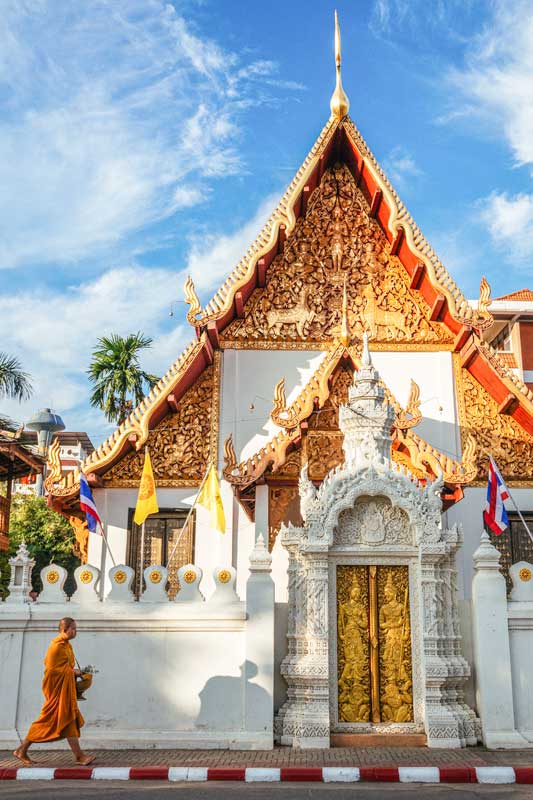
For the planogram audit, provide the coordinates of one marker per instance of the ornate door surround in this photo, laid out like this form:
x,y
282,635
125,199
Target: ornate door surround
x,y
369,511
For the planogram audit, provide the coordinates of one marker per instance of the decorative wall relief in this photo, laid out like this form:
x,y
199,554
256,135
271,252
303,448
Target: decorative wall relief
x,y
301,303
494,433
373,520
182,443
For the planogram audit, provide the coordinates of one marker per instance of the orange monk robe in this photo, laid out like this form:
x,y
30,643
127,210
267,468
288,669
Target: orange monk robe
x,y
60,717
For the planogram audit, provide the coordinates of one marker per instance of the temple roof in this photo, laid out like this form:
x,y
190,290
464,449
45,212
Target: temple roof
x,y
339,142
521,294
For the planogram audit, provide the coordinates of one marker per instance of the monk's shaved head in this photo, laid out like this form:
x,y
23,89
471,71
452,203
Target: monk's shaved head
x,y
66,623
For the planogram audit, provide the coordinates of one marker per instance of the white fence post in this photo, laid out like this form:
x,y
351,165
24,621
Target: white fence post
x,y
494,688
259,666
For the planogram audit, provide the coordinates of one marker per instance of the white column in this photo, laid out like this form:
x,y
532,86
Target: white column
x,y
259,665
494,689
261,511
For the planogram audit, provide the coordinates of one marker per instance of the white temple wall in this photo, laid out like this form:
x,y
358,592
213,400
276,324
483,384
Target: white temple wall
x,y
186,673
249,378
433,372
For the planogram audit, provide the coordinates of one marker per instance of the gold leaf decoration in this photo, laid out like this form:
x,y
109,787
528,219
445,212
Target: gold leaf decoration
x,y
183,443
192,299
336,243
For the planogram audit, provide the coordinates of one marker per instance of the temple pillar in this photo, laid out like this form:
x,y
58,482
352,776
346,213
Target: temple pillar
x,y
492,654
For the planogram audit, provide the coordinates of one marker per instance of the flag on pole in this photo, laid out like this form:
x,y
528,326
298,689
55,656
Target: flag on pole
x,y
87,504
147,498
210,498
495,514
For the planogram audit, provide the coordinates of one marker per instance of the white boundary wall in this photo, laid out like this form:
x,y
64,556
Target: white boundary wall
x,y
187,673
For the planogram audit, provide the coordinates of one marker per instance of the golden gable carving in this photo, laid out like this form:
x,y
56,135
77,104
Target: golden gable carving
x,y
182,443
492,432
302,301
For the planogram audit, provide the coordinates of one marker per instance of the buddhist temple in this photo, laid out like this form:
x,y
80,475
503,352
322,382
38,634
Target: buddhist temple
x,y
350,398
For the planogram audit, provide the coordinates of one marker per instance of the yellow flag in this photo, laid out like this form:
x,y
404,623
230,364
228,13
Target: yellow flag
x,y
147,498
210,498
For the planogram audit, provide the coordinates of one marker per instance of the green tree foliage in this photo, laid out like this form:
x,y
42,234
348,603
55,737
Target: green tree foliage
x,y
119,382
49,538
14,382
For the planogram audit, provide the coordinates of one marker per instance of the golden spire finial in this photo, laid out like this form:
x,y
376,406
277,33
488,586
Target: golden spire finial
x,y
339,103
345,328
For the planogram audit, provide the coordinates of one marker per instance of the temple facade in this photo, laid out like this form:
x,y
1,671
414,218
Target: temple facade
x,y
350,398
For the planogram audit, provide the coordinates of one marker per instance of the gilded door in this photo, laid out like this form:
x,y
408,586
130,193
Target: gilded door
x,y
374,669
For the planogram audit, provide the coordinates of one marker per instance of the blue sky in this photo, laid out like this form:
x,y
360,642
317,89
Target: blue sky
x,y
143,140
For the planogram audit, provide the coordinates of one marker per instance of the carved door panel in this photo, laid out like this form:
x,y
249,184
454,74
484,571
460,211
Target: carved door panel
x,y
374,671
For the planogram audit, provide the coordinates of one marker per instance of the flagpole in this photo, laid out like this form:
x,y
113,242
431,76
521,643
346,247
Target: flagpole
x,y
511,498
104,537
142,560
188,515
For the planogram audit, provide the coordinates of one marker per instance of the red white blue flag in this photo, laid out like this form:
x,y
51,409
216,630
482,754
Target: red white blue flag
x,y
87,504
495,515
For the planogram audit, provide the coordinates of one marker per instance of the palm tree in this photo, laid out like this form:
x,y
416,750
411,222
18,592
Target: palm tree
x,y
14,382
116,374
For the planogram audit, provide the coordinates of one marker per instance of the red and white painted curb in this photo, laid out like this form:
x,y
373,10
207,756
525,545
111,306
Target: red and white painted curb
x,y
450,774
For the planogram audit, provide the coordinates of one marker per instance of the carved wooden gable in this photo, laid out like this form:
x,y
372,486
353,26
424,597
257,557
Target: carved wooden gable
x,y
336,241
493,432
183,442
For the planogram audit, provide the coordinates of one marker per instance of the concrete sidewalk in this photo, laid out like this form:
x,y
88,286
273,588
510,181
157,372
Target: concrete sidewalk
x,y
283,757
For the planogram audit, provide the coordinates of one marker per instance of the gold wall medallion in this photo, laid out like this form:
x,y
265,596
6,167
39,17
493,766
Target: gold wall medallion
x,y
374,664
189,576
86,576
155,576
53,576
120,576
525,574
224,576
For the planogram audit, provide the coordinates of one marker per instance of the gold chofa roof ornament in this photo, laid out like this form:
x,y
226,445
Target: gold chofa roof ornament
x,y
339,103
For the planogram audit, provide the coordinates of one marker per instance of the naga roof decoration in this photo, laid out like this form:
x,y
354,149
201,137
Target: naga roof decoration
x,y
420,458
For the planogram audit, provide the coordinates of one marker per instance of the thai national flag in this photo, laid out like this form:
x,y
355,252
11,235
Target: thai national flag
x,y
87,505
495,515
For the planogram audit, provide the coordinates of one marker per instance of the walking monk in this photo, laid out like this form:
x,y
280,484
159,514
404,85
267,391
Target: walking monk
x,y
60,717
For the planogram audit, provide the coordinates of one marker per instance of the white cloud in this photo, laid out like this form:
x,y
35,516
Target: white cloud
x,y
509,219
213,257
400,167
59,330
496,81
115,114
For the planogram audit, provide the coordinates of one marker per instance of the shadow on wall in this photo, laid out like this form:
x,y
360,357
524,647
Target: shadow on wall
x,y
234,700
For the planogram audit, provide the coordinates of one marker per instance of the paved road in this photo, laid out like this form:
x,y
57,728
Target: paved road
x,y
156,790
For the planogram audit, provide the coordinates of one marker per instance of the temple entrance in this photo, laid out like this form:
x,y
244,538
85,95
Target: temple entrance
x,y
374,664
